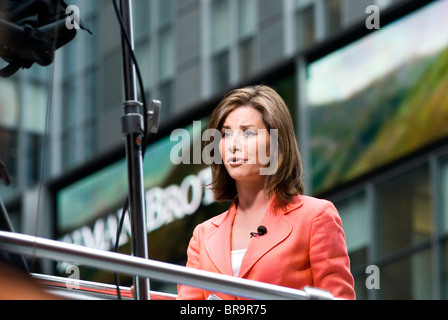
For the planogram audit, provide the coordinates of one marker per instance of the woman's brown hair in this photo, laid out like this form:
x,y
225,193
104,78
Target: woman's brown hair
x,y
286,182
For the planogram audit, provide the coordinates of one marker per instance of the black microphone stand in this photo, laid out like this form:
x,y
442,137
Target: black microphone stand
x,y
133,124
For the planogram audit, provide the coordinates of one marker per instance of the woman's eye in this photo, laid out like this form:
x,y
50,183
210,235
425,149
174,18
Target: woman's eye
x,y
249,133
226,134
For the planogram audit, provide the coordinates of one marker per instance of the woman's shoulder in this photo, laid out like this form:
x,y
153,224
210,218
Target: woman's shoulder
x,y
313,201
215,220
316,206
314,211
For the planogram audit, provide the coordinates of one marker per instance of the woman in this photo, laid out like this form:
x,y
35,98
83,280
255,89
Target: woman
x,y
301,242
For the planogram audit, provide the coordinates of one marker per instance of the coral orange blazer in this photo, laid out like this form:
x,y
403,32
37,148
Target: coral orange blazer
x,y
304,246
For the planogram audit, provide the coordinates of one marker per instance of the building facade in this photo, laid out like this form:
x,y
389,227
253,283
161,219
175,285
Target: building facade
x,y
370,143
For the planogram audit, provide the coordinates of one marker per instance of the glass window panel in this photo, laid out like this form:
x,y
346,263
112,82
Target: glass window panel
x,y
69,121
303,3
360,286
408,278
15,216
305,30
166,11
86,7
220,25
70,58
444,194
144,53
69,109
246,51
38,72
333,15
91,42
444,276
34,158
9,103
166,54
354,216
9,152
90,138
90,113
403,211
35,108
221,74
247,18
141,18
286,87
166,92
68,146
90,94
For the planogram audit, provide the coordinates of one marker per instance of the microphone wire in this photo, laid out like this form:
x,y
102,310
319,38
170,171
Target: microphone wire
x,y
42,171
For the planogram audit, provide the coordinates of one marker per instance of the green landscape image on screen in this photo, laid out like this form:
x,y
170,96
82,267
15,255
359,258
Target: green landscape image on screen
x,y
379,98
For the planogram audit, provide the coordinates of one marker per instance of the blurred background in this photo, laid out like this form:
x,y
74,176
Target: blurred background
x,y
370,108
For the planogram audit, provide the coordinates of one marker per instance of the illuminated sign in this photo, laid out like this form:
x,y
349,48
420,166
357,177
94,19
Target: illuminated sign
x,y
163,205
88,211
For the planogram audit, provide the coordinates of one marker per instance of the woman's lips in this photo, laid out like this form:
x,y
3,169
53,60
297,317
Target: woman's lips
x,y
235,161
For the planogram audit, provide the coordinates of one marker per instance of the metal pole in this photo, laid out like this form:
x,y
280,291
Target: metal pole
x,y
116,262
133,129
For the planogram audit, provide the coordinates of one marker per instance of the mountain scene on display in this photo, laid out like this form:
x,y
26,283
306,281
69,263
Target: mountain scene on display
x,y
393,116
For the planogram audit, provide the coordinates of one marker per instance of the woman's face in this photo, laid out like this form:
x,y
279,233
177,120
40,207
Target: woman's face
x,y
245,143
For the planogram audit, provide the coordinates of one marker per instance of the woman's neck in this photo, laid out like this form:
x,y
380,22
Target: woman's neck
x,y
251,196
252,205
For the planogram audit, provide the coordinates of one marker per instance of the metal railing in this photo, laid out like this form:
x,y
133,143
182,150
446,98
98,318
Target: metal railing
x,y
115,262
76,289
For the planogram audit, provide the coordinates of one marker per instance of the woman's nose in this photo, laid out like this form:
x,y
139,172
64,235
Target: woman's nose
x,y
235,143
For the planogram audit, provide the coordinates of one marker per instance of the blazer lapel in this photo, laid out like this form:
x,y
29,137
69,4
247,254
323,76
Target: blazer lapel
x,y
278,229
218,243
